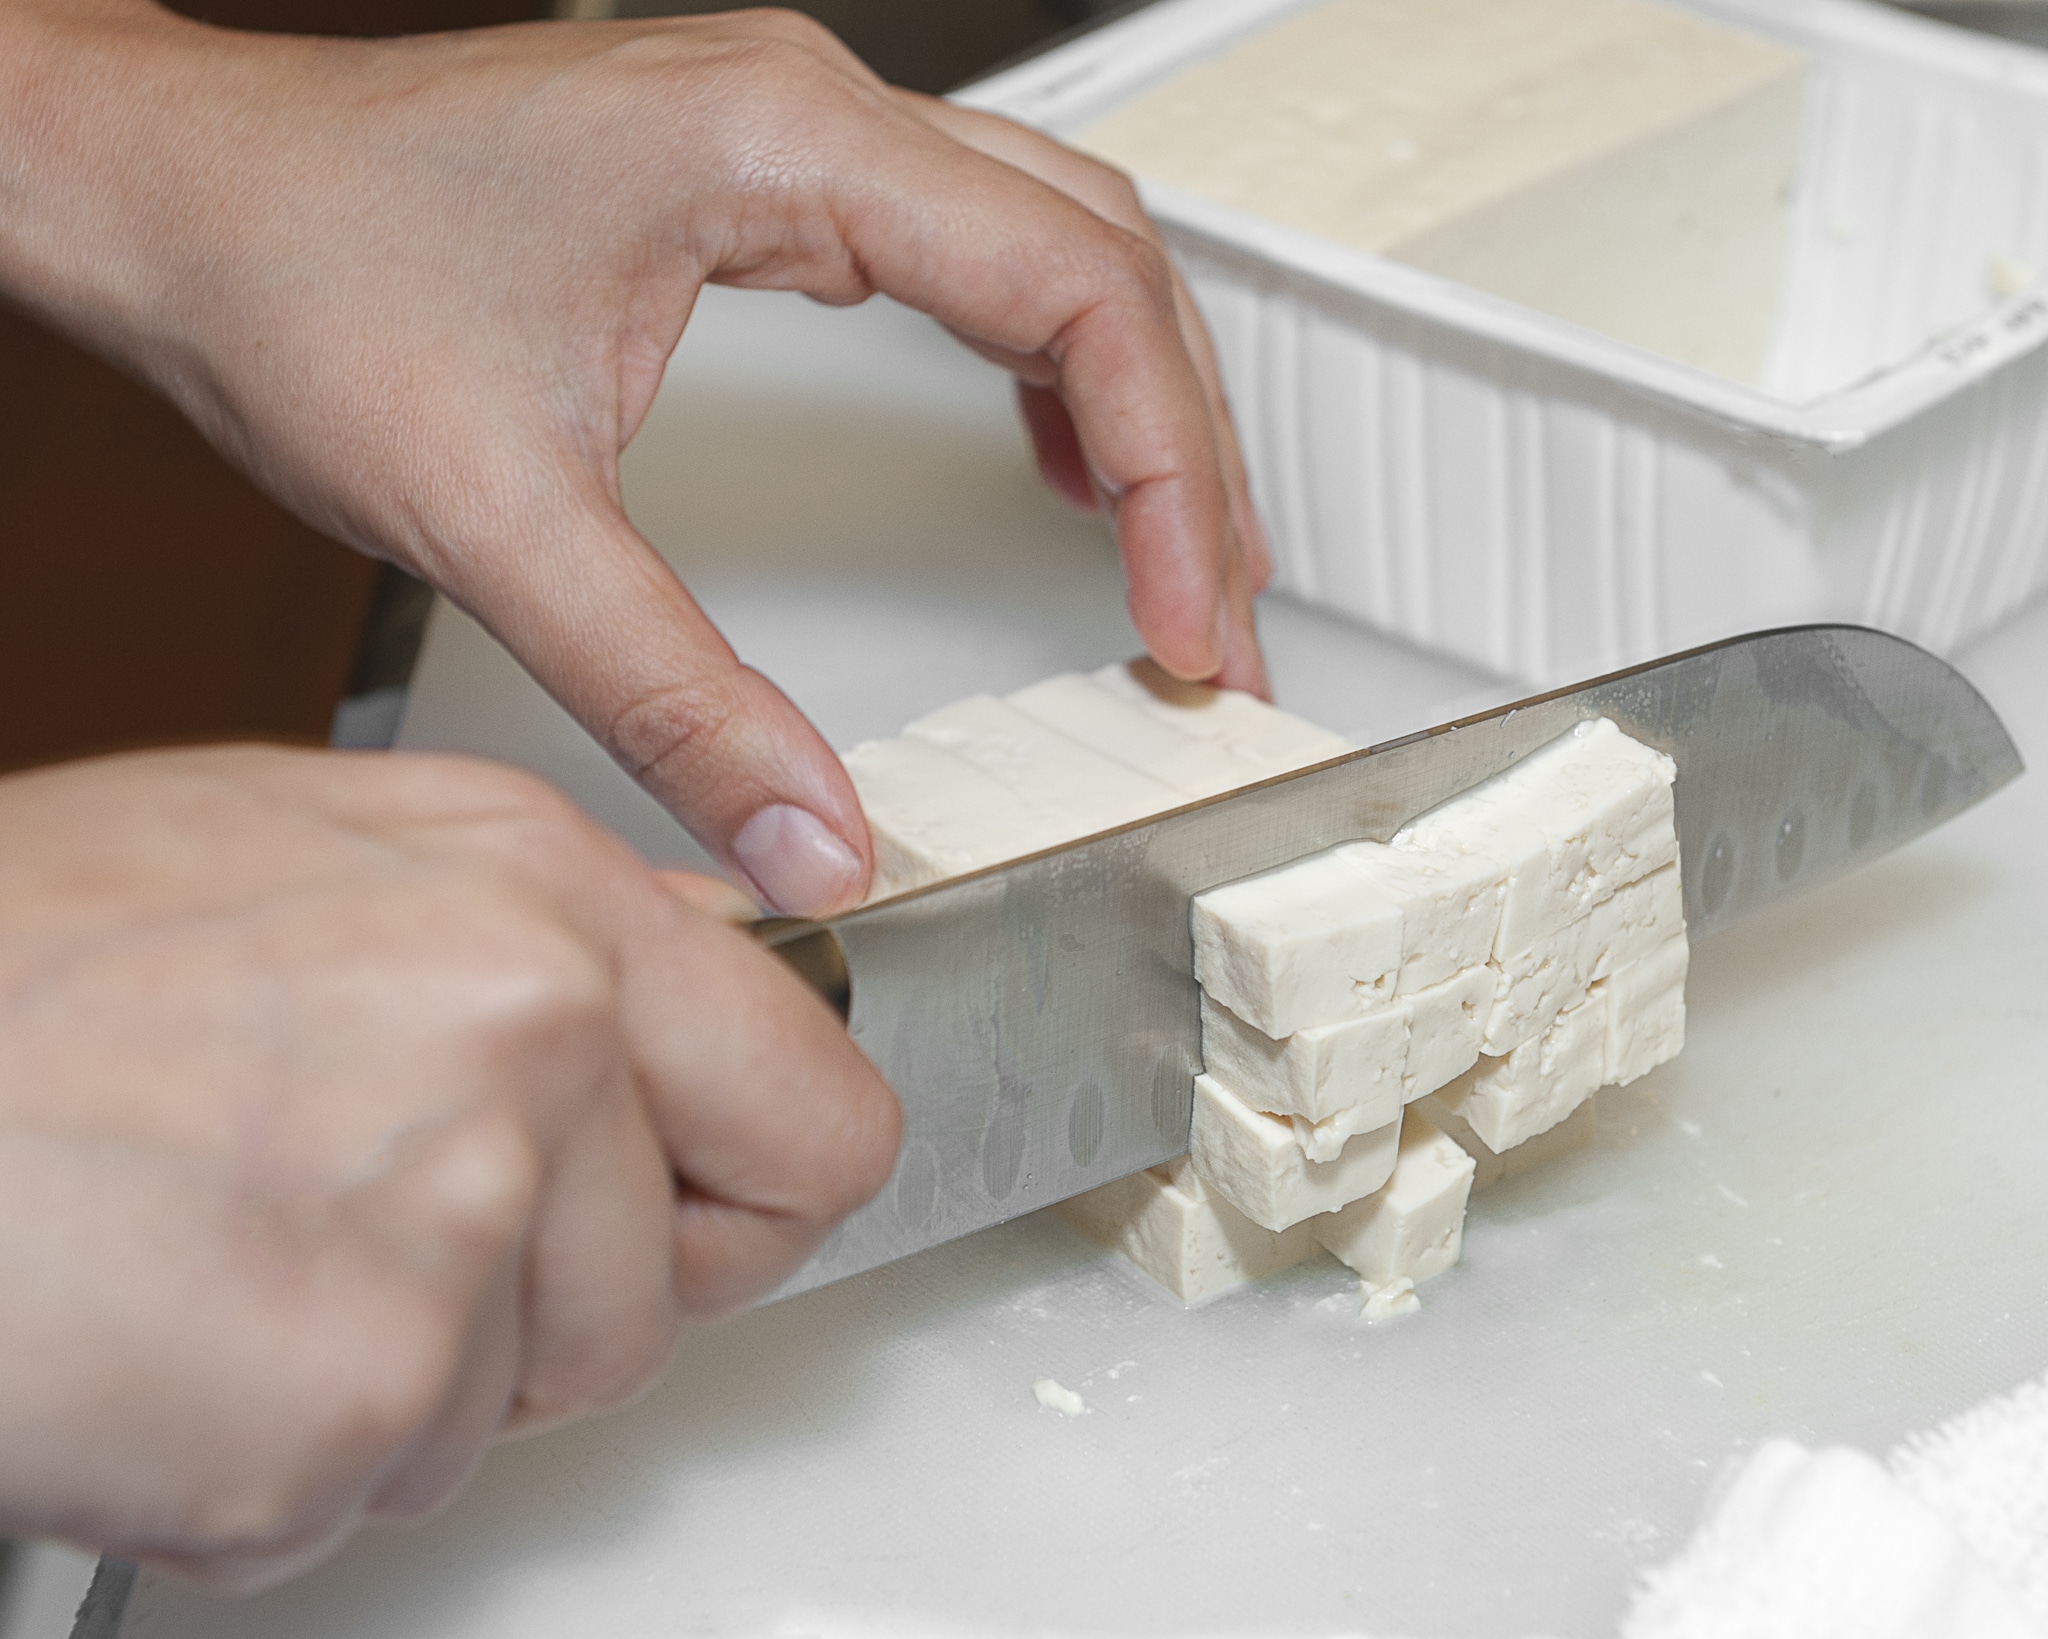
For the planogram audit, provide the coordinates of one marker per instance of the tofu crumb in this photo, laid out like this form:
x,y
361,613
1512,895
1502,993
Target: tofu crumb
x,y
2006,276
1062,1400
1378,1303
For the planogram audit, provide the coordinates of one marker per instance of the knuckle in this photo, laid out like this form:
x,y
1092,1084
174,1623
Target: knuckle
x,y
1145,266
673,729
789,27
481,1184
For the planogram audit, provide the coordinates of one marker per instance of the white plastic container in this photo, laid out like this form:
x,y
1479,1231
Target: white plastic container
x,y
1550,503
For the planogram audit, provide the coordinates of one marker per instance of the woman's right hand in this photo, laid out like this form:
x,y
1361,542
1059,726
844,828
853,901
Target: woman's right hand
x,y
356,1109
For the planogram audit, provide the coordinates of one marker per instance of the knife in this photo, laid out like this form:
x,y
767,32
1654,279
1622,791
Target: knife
x,y
1040,1019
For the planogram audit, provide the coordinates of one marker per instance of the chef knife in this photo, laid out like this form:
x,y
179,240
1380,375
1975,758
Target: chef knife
x,y
1040,1020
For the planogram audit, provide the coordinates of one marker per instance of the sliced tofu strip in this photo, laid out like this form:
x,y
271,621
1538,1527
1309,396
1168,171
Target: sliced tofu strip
x,y
1083,710
1249,727
933,816
1089,791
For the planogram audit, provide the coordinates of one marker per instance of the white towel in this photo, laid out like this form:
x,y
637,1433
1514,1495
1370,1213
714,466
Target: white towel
x,y
1949,1540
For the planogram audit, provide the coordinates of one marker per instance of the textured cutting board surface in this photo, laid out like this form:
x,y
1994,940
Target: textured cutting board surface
x,y
1823,1220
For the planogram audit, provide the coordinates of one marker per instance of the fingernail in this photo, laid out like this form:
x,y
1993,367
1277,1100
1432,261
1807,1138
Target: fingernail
x,y
795,863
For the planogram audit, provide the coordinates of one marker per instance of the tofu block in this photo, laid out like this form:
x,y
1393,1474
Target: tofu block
x,y
1509,1100
1311,943
1241,723
1621,165
1645,1012
1450,908
1185,1237
1491,1166
1252,1160
1090,792
933,816
1570,825
1414,1225
1317,1072
1107,723
1446,1024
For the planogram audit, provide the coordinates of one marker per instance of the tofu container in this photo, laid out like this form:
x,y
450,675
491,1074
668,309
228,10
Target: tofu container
x,y
1550,503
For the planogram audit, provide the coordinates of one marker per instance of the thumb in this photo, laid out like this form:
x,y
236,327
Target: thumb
x,y
604,625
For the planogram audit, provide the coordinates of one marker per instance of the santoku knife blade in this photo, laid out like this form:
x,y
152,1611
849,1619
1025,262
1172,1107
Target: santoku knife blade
x,y
1040,1020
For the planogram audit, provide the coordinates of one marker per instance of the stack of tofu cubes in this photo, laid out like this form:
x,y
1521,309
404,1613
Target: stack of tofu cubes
x,y
1383,1024
1381,1020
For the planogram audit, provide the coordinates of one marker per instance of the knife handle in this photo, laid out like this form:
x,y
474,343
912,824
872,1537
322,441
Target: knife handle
x,y
813,952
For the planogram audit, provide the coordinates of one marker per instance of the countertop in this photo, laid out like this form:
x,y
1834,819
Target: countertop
x,y
1826,1219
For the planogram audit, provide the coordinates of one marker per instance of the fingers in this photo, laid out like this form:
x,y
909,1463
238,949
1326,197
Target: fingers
x,y
776,1125
599,1294
607,628
1061,462
1109,194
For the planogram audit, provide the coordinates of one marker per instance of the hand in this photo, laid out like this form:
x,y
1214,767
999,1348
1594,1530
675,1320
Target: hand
x,y
424,291
354,1109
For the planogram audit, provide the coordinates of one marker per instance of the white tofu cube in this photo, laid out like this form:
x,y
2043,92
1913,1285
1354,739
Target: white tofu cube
x,y
1414,1225
1509,1100
1491,1166
1618,793
1311,943
1252,1160
1446,1024
1084,710
1571,823
1531,989
933,816
1640,920
1536,898
1314,1073
1090,791
1450,907
1261,734
1645,1012
1187,1239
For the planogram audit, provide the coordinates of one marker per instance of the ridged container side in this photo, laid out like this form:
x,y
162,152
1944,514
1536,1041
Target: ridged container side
x,y
1501,486
1513,512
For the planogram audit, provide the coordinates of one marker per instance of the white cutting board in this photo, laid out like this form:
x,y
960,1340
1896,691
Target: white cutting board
x,y
1828,1219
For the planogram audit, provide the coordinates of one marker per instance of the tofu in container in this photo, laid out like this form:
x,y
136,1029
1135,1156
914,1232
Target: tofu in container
x,y
1475,412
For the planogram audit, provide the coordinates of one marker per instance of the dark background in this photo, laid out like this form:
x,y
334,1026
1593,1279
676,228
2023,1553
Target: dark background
x,y
148,594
